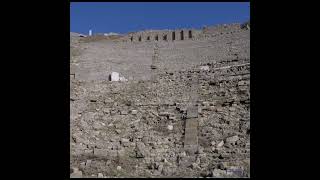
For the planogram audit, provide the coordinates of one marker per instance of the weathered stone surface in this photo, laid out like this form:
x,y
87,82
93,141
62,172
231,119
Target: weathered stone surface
x,y
134,112
204,68
218,173
220,144
76,173
140,150
88,162
192,112
118,131
122,79
124,142
100,152
144,125
191,132
124,112
183,154
164,114
232,139
195,166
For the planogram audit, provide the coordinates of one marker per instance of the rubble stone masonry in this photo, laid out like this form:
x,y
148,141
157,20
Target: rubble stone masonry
x,y
184,110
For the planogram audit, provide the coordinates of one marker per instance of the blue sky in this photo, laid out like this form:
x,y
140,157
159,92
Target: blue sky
x,y
123,17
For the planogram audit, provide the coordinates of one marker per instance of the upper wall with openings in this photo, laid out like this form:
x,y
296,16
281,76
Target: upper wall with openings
x,y
163,35
180,34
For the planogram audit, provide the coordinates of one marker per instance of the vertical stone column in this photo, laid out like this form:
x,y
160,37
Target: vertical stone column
x,y
154,64
194,94
185,34
191,125
169,35
154,74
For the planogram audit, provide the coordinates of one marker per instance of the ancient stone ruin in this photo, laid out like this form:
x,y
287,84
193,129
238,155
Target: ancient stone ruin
x,y
161,103
163,35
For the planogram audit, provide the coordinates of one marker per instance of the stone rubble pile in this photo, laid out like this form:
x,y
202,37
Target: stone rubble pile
x,y
135,124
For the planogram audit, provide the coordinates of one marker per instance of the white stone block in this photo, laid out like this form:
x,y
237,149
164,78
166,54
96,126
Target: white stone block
x,y
100,175
220,144
170,127
134,112
115,76
204,68
123,79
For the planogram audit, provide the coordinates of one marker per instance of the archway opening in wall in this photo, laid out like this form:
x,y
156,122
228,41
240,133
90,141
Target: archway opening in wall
x,y
173,36
139,38
165,37
181,35
131,38
190,34
148,38
156,38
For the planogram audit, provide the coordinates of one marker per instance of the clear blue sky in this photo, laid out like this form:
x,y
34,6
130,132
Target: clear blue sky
x,y
123,17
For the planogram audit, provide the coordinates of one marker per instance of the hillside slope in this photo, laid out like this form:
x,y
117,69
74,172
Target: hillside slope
x,y
183,111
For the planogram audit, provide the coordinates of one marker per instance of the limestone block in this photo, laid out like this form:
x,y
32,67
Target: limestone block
x,y
204,68
232,139
100,175
140,150
115,76
170,127
123,79
134,112
220,144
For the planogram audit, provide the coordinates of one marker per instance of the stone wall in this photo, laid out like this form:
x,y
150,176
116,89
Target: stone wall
x,y
163,35
133,59
222,28
184,92
181,34
129,124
